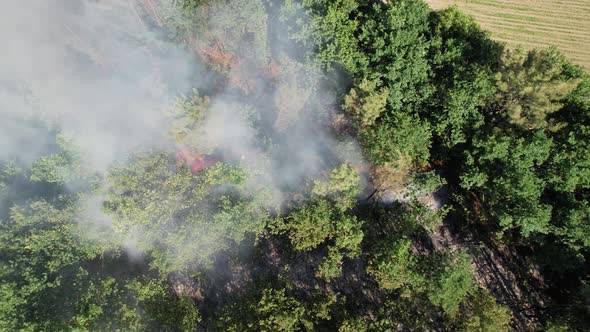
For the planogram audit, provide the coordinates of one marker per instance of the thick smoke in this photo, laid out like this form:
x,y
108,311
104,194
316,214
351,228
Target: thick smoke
x,y
89,68
100,73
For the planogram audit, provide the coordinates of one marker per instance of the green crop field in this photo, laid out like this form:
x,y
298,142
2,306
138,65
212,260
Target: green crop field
x,y
533,23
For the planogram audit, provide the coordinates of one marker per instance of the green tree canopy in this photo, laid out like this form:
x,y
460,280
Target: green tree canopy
x,y
531,85
182,219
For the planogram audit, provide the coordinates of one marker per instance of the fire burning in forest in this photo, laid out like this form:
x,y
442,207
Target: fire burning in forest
x,y
195,161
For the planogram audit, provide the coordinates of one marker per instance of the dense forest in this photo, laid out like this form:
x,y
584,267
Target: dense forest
x,y
287,165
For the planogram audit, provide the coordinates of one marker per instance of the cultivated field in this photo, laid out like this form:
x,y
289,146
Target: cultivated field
x,y
533,23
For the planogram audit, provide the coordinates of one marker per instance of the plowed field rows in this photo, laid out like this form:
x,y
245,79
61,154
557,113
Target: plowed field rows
x,y
533,23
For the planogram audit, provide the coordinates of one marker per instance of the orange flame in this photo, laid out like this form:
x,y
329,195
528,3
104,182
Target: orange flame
x,y
193,160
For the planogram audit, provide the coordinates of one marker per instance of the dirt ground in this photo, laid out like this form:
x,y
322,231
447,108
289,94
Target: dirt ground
x,y
513,280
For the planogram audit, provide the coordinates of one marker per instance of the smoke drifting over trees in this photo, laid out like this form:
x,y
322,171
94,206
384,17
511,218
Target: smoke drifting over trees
x,y
90,69
95,71
284,165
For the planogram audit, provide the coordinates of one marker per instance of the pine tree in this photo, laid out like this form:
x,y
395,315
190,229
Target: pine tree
x,y
530,87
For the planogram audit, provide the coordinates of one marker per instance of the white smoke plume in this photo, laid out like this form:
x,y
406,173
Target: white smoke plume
x,y
89,67
97,71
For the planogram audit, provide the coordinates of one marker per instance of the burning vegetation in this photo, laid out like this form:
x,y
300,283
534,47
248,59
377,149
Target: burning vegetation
x,y
194,161
354,166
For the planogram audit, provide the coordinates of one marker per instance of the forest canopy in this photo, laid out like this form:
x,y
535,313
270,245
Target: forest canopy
x,y
287,165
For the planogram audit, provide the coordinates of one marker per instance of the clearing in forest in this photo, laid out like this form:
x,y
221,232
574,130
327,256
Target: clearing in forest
x,y
533,23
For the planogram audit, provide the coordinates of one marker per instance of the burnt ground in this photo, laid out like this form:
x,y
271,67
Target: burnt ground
x,y
507,274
